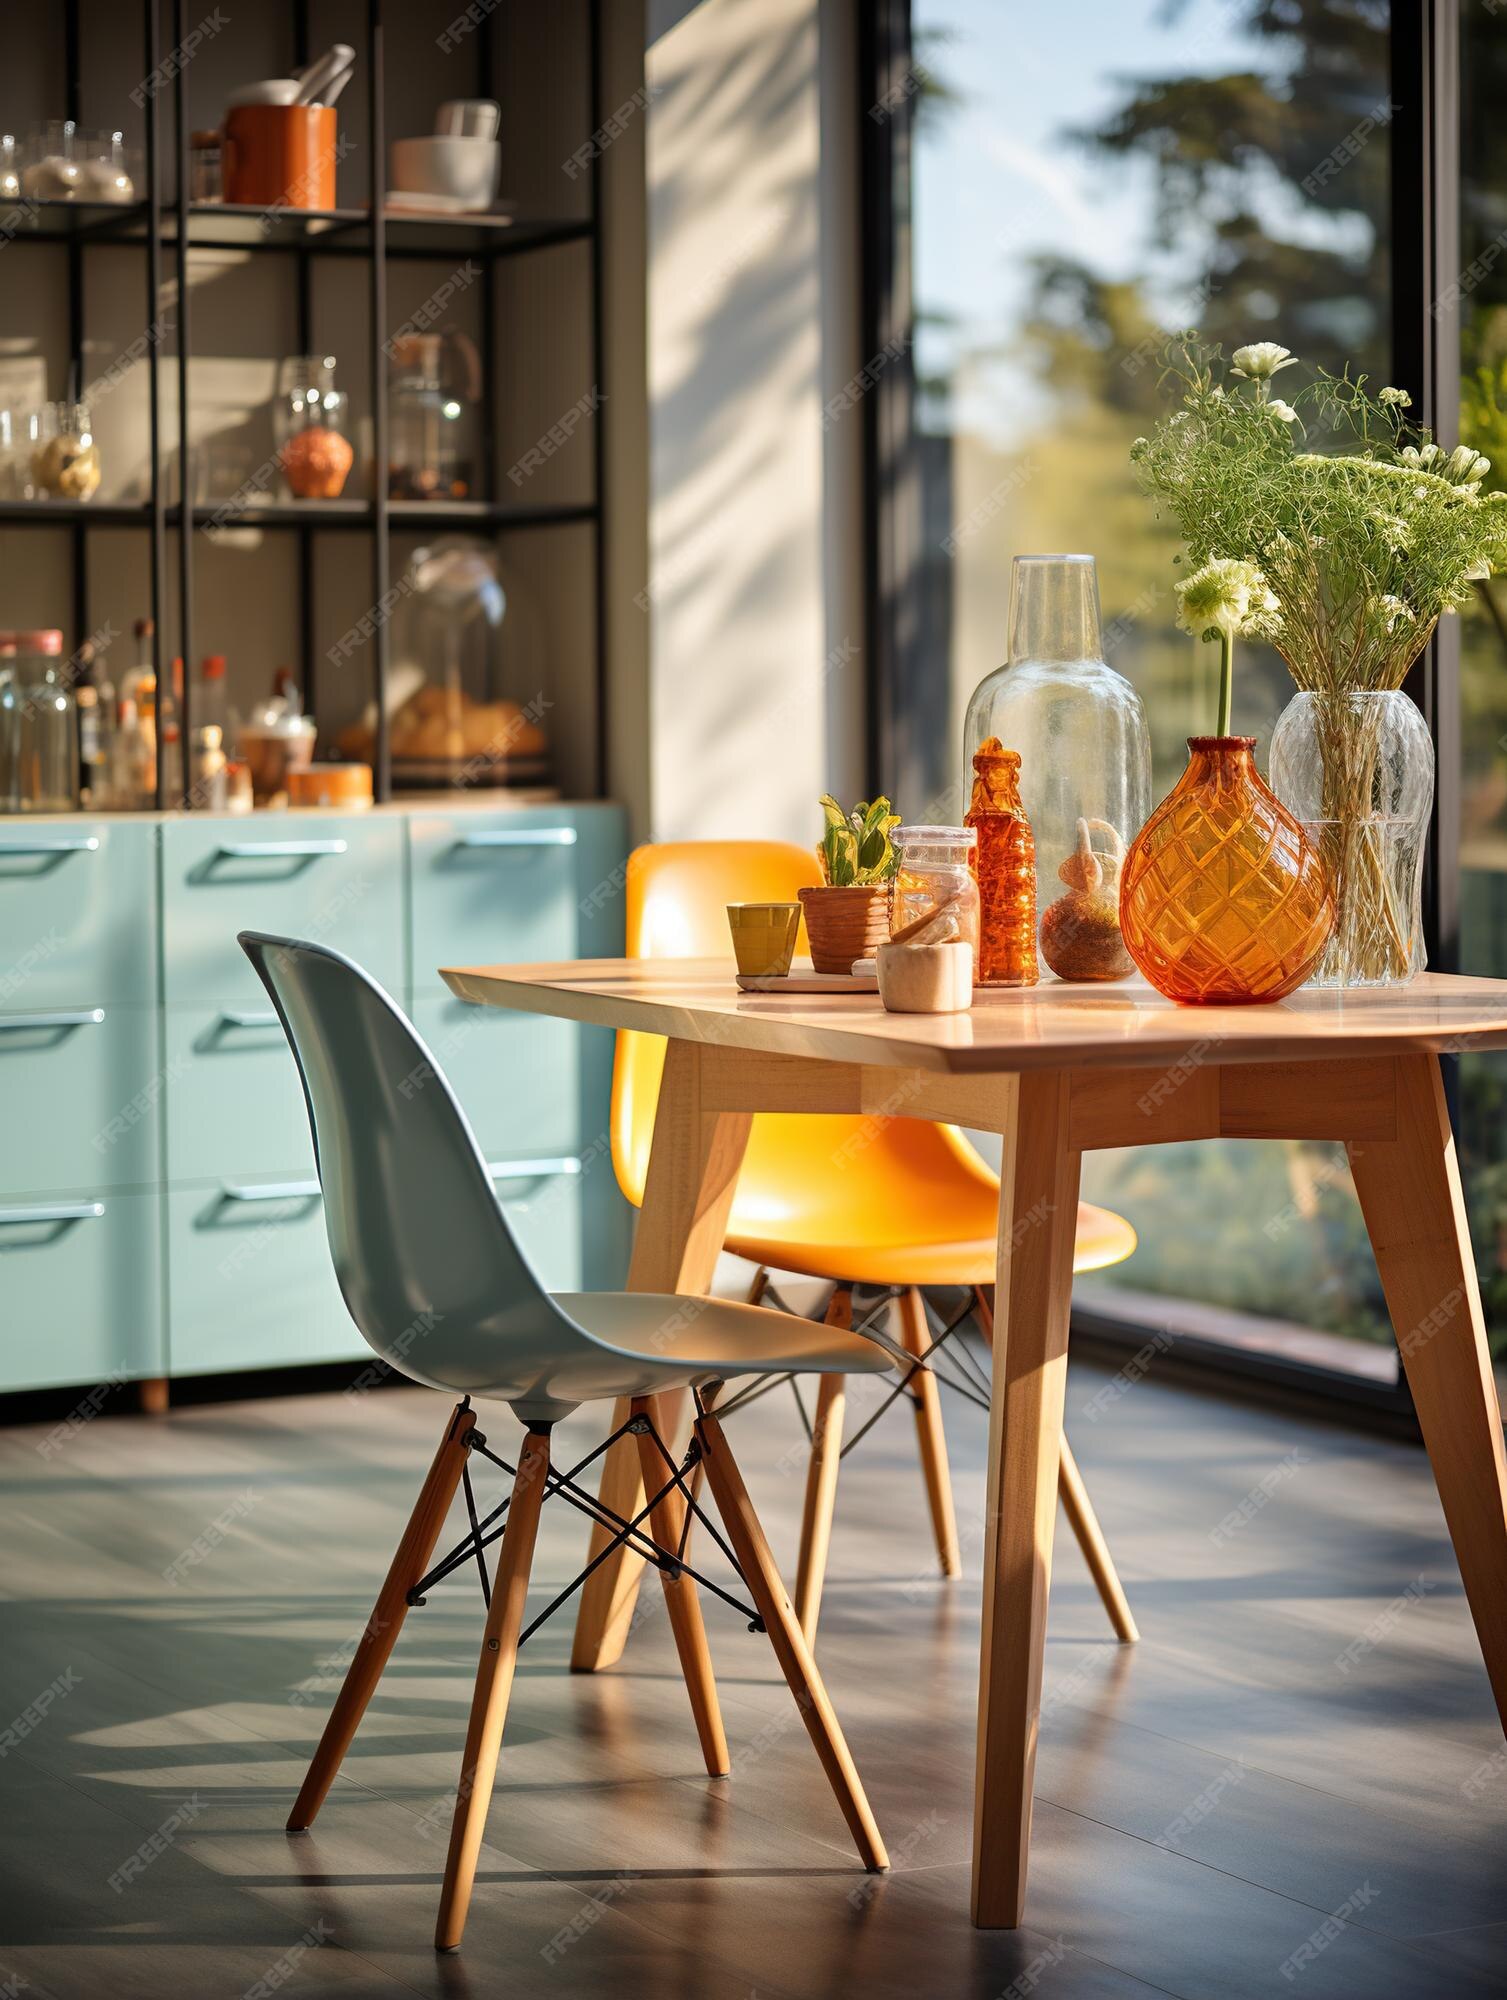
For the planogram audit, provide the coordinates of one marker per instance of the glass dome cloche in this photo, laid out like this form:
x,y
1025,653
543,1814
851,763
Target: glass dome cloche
x,y
1085,751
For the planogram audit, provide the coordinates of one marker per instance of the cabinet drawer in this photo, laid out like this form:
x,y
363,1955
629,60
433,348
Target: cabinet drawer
x,y
335,881
234,1103
77,913
518,1076
80,1091
251,1282
82,1286
491,889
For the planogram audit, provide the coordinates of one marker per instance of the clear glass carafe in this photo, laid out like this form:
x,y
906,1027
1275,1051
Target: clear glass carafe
x,y
431,417
1077,725
39,753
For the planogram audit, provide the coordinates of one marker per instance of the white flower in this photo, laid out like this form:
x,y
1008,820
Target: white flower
x,y
1260,360
1394,612
1465,466
1478,572
1226,596
1398,399
1283,410
1394,529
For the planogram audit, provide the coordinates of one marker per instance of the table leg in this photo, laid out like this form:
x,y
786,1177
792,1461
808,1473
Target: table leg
x,y
688,1193
1038,1216
1410,1195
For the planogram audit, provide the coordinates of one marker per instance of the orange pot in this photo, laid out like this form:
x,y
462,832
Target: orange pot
x,y
844,924
280,156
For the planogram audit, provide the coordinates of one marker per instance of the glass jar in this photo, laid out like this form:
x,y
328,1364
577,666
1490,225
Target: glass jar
x,y
308,427
39,748
1077,725
1358,771
431,417
64,456
935,870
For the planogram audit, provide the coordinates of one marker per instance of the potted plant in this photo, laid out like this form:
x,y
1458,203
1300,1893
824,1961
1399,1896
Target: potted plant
x,y
1360,548
849,918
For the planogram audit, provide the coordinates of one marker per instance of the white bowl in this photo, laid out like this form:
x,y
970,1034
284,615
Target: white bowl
x,y
462,169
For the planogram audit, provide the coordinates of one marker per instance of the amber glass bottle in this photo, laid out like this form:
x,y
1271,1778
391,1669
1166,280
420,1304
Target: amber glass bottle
x,y
1004,863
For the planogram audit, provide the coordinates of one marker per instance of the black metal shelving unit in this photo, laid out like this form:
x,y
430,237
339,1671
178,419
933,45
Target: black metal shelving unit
x,y
176,227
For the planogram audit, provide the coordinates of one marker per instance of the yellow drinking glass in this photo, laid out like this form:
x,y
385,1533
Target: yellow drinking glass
x,y
764,937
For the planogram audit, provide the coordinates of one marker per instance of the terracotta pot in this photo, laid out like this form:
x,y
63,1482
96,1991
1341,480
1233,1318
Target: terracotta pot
x,y
844,924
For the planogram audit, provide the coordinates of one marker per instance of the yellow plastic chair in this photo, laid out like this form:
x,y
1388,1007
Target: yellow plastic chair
x,y
889,1202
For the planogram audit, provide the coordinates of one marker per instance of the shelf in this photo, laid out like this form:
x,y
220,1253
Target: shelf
x,y
339,232
404,514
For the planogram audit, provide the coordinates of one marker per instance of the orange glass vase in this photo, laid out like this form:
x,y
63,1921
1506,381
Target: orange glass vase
x,y
1222,898
1004,864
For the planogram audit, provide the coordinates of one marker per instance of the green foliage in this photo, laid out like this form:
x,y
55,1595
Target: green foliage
x,y
856,849
1364,545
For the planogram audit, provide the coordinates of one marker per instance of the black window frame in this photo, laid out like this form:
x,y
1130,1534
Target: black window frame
x,y
1424,37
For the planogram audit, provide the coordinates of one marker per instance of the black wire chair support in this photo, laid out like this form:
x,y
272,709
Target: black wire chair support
x,y
485,1530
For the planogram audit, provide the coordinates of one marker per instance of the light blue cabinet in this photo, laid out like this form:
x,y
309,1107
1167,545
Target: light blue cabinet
x,y
81,1280
159,1213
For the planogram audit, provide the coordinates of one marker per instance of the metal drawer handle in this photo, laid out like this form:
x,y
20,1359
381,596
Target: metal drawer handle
x,y
533,1170
249,1017
521,836
63,1017
63,843
58,1211
272,1191
277,850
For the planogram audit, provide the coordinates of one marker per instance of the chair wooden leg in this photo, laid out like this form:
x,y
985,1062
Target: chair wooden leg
x,y
494,1684
1081,1518
746,1537
688,1196
681,1601
930,1436
821,1479
386,1621
1084,1523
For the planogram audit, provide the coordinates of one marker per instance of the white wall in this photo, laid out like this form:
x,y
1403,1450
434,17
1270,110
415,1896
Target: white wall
x,y
753,670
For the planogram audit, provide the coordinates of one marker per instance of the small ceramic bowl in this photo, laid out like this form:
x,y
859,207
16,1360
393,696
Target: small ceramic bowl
x,y
926,978
460,169
764,937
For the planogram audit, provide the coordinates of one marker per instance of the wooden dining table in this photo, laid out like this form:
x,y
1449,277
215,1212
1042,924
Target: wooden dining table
x,y
1057,1071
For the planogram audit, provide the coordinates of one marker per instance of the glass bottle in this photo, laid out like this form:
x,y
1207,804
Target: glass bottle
x,y
1078,726
433,387
1224,899
39,728
1004,863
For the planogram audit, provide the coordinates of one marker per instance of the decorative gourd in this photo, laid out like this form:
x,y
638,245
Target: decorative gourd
x,y
1080,932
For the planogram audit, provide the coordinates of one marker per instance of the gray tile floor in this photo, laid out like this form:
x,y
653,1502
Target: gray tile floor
x,y
1295,1784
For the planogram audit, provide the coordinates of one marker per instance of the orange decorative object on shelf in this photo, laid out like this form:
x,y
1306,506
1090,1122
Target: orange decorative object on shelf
x,y
1223,899
1004,863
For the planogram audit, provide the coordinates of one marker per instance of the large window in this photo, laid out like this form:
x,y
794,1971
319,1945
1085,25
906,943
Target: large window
x,y
1082,180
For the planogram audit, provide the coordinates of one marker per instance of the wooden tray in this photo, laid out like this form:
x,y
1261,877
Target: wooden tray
x,y
801,979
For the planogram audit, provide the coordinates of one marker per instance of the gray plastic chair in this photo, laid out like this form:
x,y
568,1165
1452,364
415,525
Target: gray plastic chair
x,y
437,1283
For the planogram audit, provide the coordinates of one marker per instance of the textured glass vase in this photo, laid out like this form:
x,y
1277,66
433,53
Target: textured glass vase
x,y
1078,726
1223,899
1358,771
